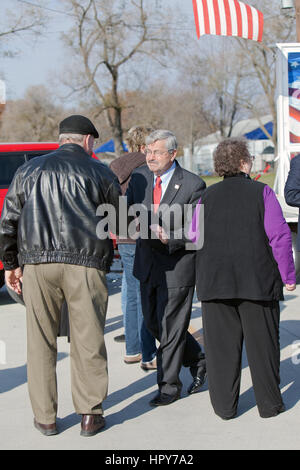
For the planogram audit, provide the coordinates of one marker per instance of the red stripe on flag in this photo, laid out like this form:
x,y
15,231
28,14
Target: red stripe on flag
x,y
239,18
234,22
294,139
228,18
206,17
294,113
261,25
217,17
250,22
196,15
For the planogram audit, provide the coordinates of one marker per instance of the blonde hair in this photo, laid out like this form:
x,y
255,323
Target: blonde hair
x,y
136,137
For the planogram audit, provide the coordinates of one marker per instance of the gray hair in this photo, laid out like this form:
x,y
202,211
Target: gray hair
x,y
162,134
72,138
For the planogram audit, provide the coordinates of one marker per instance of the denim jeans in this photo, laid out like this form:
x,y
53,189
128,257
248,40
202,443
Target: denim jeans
x,y
138,338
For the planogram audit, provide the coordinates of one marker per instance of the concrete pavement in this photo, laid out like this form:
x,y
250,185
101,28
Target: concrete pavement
x,y
188,424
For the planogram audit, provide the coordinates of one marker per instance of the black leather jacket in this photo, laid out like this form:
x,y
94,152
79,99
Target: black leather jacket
x,y
49,213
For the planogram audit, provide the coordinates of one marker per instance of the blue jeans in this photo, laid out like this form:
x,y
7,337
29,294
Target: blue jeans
x,y
138,338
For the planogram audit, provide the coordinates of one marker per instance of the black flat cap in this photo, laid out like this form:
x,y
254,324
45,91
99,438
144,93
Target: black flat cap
x,y
77,124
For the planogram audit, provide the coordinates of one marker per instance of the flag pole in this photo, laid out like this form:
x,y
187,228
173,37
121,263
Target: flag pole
x,y
297,8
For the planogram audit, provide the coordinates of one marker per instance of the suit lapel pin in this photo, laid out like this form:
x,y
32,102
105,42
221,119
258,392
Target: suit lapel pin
x,y
177,186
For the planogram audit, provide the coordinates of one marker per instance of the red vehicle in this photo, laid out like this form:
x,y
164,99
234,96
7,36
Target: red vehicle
x,y
13,155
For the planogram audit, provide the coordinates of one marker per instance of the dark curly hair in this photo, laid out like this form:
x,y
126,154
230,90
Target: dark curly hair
x,y
228,156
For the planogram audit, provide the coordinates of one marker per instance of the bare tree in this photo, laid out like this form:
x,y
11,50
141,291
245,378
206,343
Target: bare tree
x,y
218,80
279,28
166,107
27,19
108,38
235,78
32,119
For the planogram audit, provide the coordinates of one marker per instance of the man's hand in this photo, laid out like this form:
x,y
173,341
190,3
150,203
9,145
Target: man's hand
x,y
13,280
160,233
290,287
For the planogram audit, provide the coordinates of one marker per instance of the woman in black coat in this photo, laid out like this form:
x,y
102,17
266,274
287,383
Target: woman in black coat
x,y
245,260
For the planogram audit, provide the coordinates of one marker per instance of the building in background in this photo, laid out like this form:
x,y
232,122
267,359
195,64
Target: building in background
x,y
201,161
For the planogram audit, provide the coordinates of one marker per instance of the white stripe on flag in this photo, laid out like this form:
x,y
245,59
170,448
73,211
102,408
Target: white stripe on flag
x,y
222,18
244,20
295,102
255,22
295,126
212,18
233,17
201,17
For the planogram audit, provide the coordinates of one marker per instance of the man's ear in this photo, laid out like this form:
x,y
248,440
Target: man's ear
x,y
174,155
88,144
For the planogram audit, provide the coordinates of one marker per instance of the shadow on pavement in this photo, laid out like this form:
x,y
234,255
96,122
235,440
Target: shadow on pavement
x,y
131,411
134,409
5,298
114,283
130,390
14,377
289,369
113,323
68,422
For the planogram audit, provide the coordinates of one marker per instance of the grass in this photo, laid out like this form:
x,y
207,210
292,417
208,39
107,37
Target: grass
x,y
267,178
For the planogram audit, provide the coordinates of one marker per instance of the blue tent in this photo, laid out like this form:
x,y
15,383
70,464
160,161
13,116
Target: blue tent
x,y
258,134
109,147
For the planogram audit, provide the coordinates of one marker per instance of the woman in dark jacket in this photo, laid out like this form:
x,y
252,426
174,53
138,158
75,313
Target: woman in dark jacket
x,y
245,260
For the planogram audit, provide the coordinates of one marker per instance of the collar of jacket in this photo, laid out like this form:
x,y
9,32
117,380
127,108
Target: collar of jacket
x,y
240,175
74,148
171,190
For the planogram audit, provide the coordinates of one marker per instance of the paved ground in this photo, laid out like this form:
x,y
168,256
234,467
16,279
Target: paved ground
x,y
131,423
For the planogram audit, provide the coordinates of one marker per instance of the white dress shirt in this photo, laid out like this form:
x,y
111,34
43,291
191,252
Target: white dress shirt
x,y
165,179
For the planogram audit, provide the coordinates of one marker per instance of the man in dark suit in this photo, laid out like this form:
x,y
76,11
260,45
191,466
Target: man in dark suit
x,y
163,264
292,190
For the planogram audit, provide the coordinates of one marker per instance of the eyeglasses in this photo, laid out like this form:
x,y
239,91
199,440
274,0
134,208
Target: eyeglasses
x,y
157,153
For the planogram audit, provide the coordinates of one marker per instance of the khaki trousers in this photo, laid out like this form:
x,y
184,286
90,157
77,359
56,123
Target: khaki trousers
x,y
45,287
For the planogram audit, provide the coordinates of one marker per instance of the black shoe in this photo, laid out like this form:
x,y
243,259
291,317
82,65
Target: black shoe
x,y
119,339
197,383
162,399
272,414
227,418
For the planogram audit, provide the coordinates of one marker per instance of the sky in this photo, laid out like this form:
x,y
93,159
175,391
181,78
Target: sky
x,y
40,60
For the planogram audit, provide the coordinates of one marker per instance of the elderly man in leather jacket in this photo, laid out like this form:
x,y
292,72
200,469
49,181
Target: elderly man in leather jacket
x,y
49,241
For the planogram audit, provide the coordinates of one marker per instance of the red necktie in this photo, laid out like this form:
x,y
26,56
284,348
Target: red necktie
x,y
157,193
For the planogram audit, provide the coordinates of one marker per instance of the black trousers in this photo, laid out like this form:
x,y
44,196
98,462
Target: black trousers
x,y
227,324
167,314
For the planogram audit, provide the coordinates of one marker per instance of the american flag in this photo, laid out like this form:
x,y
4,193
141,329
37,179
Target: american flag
x,y
228,18
294,96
